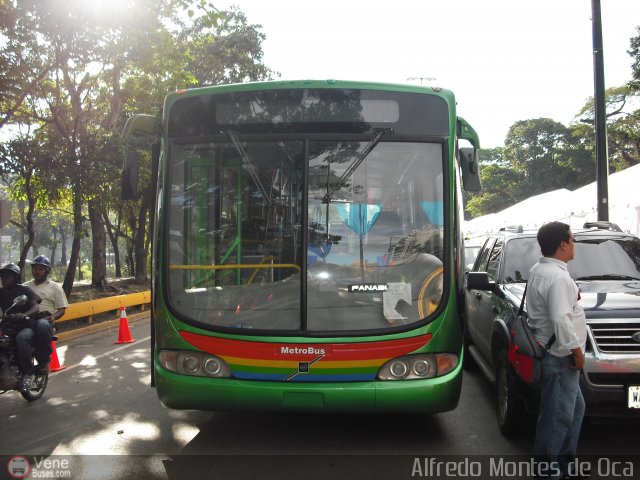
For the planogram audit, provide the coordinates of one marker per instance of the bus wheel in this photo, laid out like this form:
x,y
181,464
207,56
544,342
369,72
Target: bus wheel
x,y
509,409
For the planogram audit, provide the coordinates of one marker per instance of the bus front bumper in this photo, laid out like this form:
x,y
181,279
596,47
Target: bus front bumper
x,y
431,395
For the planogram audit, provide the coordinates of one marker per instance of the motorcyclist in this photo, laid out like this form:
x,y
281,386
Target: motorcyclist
x,y
53,305
22,327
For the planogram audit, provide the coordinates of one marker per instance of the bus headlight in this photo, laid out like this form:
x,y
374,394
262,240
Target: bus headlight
x,y
212,366
398,369
190,364
420,366
199,364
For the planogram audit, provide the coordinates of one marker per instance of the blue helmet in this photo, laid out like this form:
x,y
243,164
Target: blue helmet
x,y
42,260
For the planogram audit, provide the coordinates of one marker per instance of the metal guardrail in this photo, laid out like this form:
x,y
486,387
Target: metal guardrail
x,y
101,305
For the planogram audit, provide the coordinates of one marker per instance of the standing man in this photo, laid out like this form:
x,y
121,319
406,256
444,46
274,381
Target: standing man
x,y
53,305
553,306
22,325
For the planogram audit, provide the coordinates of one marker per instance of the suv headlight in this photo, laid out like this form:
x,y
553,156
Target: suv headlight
x,y
419,366
198,364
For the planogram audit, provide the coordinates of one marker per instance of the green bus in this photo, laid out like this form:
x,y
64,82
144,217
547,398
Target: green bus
x,y
307,252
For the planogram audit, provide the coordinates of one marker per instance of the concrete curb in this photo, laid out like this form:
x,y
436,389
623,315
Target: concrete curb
x,y
99,327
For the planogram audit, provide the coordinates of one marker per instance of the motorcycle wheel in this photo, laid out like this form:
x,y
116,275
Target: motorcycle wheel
x,y
38,386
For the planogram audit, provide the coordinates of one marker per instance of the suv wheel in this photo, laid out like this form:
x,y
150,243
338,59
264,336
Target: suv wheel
x,y
509,409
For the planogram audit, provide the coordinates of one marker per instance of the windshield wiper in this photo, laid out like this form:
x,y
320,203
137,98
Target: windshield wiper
x,y
379,133
608,276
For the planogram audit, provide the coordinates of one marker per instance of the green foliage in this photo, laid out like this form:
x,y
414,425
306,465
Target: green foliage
x,y
623,127
634,51
539,155
499,185
70,73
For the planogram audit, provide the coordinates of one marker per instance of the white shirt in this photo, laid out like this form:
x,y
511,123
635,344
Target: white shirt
x,y
52,295
553,306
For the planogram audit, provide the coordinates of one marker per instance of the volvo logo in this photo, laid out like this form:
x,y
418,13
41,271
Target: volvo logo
x,y
636,337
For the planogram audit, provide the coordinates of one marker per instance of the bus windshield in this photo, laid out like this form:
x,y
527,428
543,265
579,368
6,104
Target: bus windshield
x,y
296,232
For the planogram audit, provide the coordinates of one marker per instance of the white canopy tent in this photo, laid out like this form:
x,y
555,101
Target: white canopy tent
x,y
574,208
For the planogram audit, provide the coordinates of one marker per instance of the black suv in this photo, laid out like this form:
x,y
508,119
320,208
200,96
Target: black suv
x,y
606,268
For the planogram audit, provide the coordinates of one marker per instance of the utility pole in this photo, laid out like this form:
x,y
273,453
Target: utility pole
x,y
602,161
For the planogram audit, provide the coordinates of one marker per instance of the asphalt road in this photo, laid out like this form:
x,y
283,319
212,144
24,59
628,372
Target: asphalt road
x,y
99,418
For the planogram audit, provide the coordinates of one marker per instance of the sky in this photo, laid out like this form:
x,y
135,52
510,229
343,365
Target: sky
x,y
505,60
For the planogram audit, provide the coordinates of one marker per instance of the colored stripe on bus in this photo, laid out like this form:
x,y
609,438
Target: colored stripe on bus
x,y
305,377
291,351
305,362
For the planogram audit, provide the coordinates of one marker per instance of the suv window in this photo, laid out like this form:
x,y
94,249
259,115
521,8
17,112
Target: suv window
x,y
481,261
520,255
494,259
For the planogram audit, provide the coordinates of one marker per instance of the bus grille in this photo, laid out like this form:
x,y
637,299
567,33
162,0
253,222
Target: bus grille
x,y
614,379
616,336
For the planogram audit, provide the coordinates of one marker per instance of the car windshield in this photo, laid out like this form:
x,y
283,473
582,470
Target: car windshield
x,y
605,258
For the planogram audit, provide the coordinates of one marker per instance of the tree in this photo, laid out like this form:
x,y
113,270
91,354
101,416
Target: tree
x,y
212,47
23,62
24,166
623,126
634,52
539,155
75,71
498,181
534,149
220,47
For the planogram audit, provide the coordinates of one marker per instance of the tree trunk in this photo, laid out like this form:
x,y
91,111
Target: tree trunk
x,y
116,258
99,246
63,247
31,206
114,235
69,277
52,256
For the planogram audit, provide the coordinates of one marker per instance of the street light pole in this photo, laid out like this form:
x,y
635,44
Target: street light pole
x,y
602,161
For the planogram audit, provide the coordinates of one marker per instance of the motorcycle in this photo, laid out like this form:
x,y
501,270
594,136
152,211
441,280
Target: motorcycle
x,y
10,373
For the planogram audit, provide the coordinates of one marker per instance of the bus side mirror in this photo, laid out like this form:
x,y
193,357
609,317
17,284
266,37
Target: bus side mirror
x,y
470,169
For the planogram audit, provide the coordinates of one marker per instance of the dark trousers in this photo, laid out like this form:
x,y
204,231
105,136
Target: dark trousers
x,y
40,338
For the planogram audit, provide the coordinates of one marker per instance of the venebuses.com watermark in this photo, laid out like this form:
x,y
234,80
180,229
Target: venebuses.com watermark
x,y
38,467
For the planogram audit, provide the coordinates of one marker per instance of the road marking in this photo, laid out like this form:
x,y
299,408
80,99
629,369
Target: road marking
x,y
129,345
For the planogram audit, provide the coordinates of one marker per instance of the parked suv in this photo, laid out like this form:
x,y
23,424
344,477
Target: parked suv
x,y
606,268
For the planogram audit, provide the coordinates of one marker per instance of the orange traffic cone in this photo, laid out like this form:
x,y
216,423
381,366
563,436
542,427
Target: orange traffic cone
x,y
54,365
124,334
